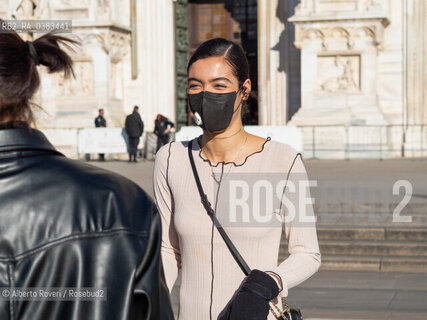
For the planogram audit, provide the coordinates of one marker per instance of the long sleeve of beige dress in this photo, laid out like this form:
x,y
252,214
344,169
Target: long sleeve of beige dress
x,y
210,275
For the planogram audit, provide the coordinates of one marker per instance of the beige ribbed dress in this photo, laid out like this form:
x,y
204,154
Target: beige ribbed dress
x,y
210,275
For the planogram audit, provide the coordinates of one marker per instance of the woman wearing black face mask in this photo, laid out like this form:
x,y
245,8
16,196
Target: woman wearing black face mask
x,y
213,285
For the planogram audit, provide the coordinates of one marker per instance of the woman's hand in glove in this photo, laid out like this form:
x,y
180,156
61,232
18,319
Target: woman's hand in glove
x,y
250,302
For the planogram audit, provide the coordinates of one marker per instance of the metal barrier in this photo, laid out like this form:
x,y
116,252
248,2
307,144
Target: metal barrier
x,y
364,141
67,141
319,141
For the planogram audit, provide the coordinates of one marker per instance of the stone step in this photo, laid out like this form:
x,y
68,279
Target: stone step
x,y
349,233
406,234
367,263
358,207
371,263
374,248
368,233
369,248
371,219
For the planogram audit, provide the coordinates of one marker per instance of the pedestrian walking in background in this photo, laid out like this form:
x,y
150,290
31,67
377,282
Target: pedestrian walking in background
x,y
64,223
134,127
162,127
100,122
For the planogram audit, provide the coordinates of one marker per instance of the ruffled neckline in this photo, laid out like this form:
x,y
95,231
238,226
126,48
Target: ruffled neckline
x,y
230,162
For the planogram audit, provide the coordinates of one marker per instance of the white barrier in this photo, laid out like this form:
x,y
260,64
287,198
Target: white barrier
x,y
286,134
188,133
102,140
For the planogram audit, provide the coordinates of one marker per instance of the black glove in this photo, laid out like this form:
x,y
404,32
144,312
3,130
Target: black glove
x,y
250,302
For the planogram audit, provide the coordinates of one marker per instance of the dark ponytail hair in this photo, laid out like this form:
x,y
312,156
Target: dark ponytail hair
x,y
231,52
19,78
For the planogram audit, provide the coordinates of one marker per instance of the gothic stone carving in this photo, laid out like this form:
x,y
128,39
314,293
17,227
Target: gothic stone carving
x,y
338,73
81,85
31,9
328,6
116,43
339,37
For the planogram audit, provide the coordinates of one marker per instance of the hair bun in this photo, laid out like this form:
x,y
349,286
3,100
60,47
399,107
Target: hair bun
x,y
52,56
33,52
19,77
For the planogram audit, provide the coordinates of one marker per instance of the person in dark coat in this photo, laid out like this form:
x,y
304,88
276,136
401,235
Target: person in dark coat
x,y
162,127
64,223
100,122
134,127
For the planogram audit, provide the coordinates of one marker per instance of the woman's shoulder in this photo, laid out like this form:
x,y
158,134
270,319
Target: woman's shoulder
x,y
281,155
174,151
282,149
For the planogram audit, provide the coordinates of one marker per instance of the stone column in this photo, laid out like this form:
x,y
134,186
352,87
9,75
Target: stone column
x,y
101,68
4,7
424,77
181,58
278,63
154,89
272,104
415,60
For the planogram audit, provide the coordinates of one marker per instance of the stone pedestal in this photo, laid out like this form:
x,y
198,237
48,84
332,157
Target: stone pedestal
x,y
339,42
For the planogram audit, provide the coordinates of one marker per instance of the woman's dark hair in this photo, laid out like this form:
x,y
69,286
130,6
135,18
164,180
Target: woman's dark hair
x,y
231,52
19,78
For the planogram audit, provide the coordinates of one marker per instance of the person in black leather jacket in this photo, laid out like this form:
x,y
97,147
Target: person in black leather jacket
x,y
63,223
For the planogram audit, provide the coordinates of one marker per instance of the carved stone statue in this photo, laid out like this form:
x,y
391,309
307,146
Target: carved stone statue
x,y
344,79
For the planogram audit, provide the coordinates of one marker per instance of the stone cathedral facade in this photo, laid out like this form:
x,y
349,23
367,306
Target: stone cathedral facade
x,y
363,63
126,58
336,64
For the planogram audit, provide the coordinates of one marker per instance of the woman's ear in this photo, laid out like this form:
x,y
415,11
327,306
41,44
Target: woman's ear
x,y
246,86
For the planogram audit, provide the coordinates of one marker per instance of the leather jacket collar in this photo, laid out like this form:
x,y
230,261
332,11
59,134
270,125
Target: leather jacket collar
x,y
19,139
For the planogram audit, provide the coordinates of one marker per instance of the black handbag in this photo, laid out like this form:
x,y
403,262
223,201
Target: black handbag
x,y
287,313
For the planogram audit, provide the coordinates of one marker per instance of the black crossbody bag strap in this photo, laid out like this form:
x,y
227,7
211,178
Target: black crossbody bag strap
x,y
236,255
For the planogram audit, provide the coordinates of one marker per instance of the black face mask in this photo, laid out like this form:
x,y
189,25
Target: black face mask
x,y
213,111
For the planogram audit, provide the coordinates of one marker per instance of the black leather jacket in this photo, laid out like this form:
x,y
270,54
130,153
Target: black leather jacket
x,y
134,125
64,223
